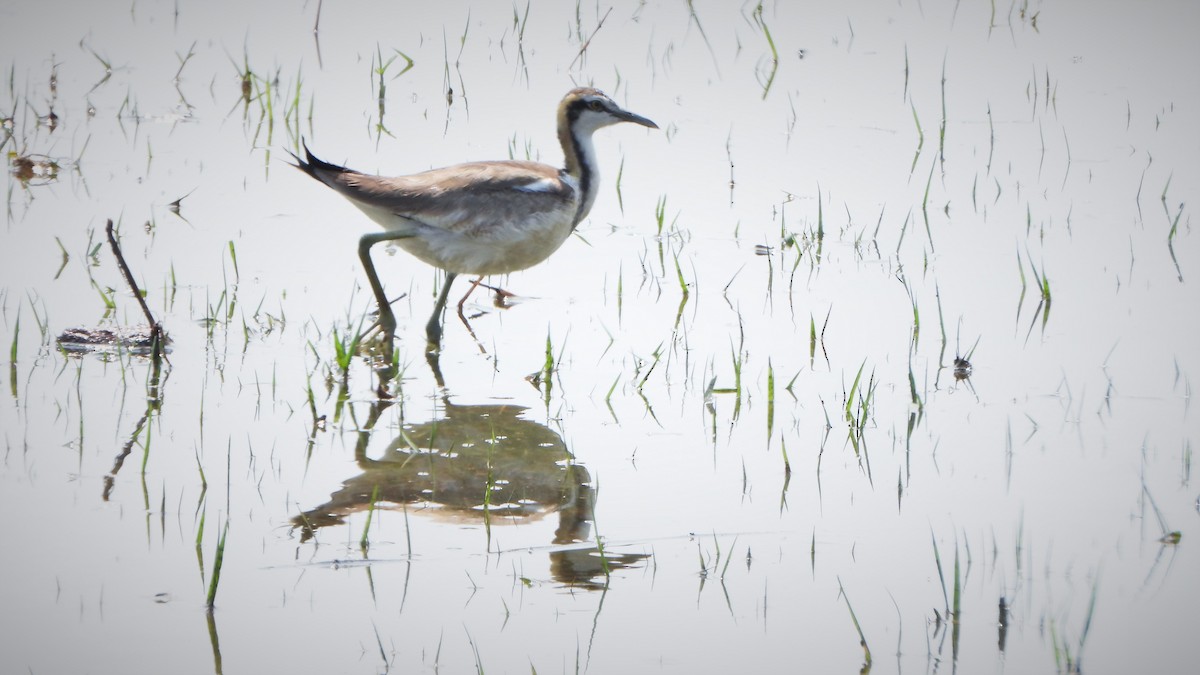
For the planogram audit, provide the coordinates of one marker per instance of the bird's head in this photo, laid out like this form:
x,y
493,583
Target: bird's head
x,y
586,110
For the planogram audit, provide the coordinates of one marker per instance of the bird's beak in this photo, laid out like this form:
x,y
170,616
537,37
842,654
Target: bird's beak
x,y
627,116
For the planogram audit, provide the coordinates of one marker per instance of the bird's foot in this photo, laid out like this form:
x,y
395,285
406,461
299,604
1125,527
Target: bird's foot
x,y
500,297
433,336
384,323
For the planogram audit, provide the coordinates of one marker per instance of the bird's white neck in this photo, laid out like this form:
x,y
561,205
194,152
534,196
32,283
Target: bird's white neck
x,y
580,157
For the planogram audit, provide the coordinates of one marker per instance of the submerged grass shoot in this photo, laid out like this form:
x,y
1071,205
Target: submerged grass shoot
x,y
937,558
364,541
12,356
812,339
12,350
218,561
862,638
850,395
771,402
774,67
920,132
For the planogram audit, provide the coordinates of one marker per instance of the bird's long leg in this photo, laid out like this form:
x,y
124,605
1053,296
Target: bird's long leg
x,y
433,329
474,285
463,317
387,320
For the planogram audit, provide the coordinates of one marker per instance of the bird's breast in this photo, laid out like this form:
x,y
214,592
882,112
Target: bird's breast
x,y
492,243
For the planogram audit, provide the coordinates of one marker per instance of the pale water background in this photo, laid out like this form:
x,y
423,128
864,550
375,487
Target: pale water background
x,y
752,404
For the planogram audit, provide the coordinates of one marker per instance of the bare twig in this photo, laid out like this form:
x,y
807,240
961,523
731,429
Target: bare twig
x,y
588,42
112,241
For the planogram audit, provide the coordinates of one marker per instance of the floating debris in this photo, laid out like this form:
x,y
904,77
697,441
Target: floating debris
x,y
174,206
139,340
34,169
962,368
1171,538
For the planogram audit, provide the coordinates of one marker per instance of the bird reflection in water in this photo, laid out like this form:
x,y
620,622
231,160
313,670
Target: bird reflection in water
x,y
486,464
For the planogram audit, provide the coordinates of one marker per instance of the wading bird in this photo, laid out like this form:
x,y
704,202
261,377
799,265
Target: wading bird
x,y
480,218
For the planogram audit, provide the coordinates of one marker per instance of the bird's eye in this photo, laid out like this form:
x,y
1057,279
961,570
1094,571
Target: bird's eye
x,y
596,105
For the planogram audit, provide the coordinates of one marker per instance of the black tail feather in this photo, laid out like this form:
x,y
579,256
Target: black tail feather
x,y
311,164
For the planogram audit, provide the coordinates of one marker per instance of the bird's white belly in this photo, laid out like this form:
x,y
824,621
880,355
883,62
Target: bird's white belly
x,y
483,247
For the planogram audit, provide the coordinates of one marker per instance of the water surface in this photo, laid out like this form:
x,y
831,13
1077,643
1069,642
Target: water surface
x,y
722,430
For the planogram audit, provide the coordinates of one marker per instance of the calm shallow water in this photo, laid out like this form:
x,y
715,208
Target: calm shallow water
x,y
687,494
